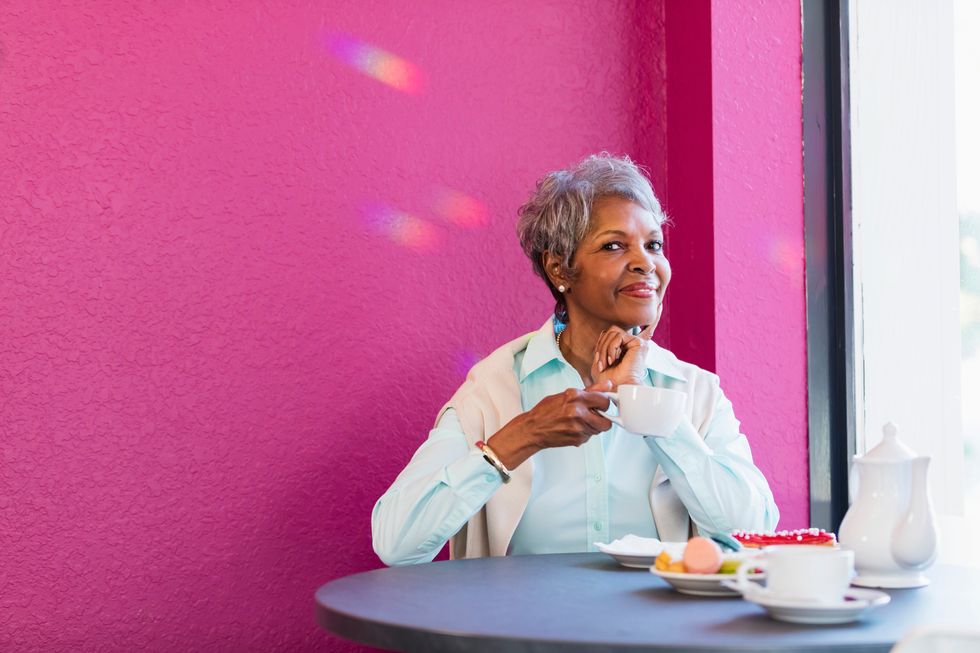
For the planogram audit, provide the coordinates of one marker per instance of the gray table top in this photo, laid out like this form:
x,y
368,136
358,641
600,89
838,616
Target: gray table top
x,y
586,602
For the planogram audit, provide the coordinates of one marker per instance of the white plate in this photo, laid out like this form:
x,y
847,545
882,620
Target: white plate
x,y
856,603
701,584
631,561
639,552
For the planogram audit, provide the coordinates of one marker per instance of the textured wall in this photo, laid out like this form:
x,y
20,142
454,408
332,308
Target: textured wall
x,y
734,189
227,234
690,184
243,259
760,299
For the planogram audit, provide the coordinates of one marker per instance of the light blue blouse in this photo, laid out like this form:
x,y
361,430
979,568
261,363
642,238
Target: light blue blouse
x,y
580,495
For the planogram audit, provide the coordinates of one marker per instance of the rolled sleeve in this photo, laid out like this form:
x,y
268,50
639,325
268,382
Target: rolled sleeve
x,y
443,486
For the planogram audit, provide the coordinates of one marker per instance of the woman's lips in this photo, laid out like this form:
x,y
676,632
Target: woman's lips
x,y
642,290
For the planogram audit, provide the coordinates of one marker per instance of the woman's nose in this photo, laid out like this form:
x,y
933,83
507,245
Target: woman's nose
x,y
644,263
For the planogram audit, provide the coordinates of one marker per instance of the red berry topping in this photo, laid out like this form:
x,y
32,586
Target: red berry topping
x,y
754,540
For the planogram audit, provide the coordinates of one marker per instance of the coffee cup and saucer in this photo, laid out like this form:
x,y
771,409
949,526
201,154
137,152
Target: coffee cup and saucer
x,y
646,410
807,585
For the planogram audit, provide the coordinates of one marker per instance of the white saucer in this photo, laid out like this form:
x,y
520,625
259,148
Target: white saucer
x,y
856,602
894,580
702,584
639,552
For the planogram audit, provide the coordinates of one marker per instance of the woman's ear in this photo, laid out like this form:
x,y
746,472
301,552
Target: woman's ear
x,y
552,267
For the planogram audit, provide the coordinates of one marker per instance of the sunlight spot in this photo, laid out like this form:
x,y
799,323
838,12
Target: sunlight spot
x,y
787,256
374,62
460,209
465,360
402,228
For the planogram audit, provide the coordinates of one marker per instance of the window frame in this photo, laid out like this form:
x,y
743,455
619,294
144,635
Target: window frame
x,y
832,384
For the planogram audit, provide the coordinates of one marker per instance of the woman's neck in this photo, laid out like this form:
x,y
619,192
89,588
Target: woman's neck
x,y
577,345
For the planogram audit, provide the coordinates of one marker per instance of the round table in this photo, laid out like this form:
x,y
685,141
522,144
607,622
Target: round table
x,y
587,602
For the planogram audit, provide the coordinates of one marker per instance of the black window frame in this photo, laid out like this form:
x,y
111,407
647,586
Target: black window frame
x,y
829,255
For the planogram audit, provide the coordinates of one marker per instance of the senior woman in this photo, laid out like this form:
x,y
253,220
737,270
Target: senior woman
x,y
521,460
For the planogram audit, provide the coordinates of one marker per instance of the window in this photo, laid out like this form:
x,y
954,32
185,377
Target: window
x,y
966,15
914,79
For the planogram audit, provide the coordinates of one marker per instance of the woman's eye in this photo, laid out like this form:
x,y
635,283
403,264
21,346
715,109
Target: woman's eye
x,y
613,246
656,245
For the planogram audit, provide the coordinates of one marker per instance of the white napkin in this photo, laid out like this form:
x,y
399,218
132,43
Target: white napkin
x,y
634,545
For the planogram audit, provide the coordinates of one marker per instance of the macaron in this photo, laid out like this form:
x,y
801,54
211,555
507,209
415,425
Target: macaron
x,y
702,556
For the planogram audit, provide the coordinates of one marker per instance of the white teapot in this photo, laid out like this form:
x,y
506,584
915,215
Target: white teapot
x,y
890,525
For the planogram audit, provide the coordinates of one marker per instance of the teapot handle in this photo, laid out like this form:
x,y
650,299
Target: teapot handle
x,y
914,539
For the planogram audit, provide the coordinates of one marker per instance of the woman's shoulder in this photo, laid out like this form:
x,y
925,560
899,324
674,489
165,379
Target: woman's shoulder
x,y
497,369
491,385
663,361
499,364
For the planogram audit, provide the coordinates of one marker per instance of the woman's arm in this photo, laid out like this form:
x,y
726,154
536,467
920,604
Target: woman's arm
x,y
443,486
447,482
710,467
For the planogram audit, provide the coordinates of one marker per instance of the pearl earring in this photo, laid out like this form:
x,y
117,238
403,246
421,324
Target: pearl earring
x,y
561,288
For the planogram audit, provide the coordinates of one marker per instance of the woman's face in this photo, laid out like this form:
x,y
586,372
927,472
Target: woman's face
x,y
622,271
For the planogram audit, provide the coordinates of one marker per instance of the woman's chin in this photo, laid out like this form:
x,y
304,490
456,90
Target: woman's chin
x,y
636,319
648,314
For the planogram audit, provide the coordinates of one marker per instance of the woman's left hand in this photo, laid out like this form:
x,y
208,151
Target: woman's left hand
x,y
620,357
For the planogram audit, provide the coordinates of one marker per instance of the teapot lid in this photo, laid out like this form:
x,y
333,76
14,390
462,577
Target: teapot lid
x,y
890,449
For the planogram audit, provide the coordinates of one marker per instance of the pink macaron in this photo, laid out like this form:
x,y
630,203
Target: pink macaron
x,y
702,556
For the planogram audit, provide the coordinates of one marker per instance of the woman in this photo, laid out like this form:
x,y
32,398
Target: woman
x,y
555,475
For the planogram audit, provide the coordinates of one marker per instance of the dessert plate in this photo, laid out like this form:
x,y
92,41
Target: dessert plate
x,y
702,584
638,552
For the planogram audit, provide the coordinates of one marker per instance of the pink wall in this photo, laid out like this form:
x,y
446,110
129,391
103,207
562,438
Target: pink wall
x,y
223,246
238,278
689,193
734,188
760,293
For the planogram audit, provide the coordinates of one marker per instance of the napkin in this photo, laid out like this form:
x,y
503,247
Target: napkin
x,y
634,545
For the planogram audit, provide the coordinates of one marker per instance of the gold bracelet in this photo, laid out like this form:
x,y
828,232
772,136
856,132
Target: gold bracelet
x,y
491,457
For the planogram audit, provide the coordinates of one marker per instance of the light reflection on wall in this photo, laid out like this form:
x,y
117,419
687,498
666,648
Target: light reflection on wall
x,y
374,62
786,255
460,209
454,207
466,359
402,228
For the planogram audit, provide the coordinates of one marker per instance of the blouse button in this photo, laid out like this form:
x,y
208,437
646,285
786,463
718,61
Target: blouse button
x,y
597,525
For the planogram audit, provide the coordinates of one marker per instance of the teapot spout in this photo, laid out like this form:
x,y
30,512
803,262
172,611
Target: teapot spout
x,y
915,539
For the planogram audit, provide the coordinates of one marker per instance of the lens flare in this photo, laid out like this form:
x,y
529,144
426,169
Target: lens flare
x,y
374,62
460,209
402,228
465,359
787,256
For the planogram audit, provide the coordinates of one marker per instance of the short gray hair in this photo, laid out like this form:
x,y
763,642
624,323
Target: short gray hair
x,y
559,212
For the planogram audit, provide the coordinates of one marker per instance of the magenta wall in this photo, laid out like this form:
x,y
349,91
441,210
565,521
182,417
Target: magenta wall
x,y
759,266
734,187
244,258
238,278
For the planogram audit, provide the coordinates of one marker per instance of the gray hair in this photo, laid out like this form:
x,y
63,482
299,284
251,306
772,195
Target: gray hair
x,y
559,212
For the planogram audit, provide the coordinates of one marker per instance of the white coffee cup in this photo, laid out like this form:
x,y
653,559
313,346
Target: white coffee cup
x,y
800,573
646,410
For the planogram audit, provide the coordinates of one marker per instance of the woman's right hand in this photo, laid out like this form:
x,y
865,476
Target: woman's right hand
x,y
569,418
